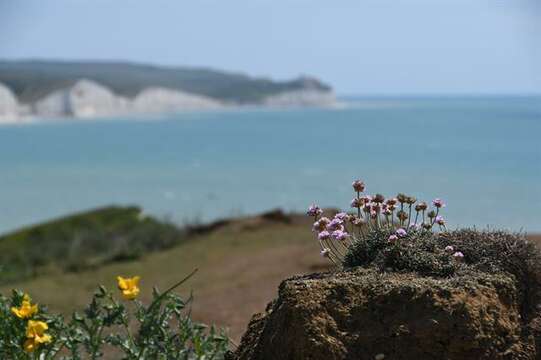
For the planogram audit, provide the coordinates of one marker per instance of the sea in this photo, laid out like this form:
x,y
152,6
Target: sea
x,y
482,155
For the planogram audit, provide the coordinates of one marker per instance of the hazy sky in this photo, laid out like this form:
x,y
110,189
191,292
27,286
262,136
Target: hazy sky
x,y
358,46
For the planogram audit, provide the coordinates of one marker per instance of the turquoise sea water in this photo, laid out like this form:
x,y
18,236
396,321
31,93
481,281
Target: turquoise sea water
x,y
482,155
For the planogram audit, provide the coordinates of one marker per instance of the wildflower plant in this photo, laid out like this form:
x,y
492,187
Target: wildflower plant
x,y
127,328
398,233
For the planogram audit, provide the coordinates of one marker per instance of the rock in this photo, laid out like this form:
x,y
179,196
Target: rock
x,y
9,107
366,314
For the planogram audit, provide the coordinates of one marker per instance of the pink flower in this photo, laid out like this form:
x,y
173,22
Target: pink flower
x,y
321,224
438,203
356,203
314,210
324,235
401,232
325,252
339,235
459,256
358,186
414,226
449,249
342,216
335,224
440,220
393,238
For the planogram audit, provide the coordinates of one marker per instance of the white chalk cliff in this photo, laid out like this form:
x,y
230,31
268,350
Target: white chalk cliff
x,y
155,99
9,107
86,98
308,97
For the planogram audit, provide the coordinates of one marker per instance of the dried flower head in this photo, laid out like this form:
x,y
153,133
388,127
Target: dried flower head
x,y
378,198
358,186
402,215
401,198
411,200
422,206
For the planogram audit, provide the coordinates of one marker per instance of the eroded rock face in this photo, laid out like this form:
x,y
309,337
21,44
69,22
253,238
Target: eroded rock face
x,y
9,107
365,314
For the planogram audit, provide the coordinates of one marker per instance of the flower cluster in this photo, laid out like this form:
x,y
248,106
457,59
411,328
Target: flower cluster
x,y
35,329
398,216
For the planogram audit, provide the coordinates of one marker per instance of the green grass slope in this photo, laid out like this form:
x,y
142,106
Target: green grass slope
x,y
31,80
83,240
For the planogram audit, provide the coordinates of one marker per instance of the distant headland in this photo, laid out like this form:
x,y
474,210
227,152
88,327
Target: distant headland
x,y
52,89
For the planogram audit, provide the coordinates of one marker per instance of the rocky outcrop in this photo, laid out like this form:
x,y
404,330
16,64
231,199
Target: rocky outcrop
x,y
365,314
9,107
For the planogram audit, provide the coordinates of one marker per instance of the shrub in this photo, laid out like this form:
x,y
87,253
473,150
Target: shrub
x,y
129,329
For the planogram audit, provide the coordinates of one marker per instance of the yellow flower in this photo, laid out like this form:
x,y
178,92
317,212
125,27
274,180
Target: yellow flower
x,y
26,309
35,335
129,287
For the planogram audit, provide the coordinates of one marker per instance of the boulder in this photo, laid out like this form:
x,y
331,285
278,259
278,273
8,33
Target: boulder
x,y
368,314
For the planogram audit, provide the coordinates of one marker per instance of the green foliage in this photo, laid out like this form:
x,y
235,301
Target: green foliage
x,y
31,80
128,330
84,240
419,251
424,252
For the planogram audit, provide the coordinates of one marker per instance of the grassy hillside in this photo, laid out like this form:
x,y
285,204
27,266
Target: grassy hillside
x,y
30,80
82,241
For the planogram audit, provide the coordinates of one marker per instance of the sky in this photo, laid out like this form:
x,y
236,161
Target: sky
x,y
360,47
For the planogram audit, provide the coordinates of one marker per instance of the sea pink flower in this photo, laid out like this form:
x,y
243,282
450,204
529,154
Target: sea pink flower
x,y
449,249
440,220
339,235
342,216
358,186
401,232
314,210
366,199
459,256
438,203
393,238
335,224
414,226
356,203
324,235
321,224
